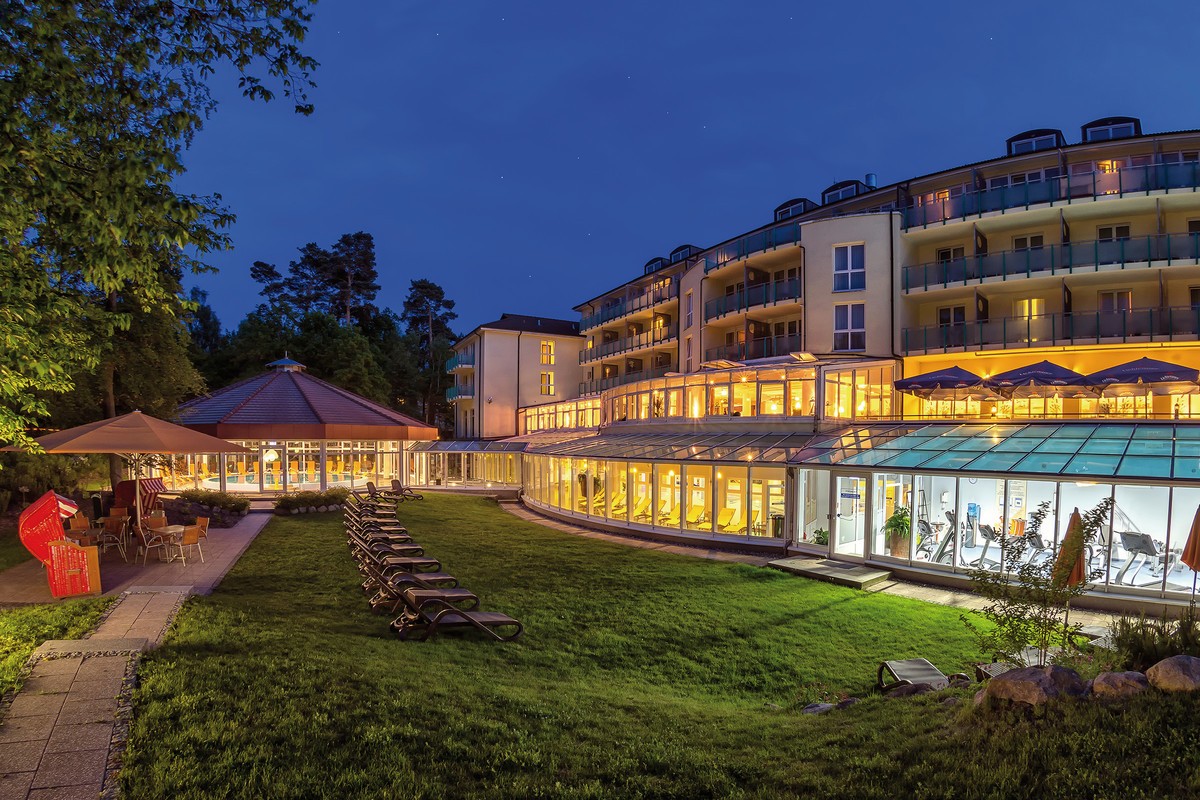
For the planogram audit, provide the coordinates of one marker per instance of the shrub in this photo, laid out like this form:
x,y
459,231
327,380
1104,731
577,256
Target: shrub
x,y
208,497
309,499
1141,643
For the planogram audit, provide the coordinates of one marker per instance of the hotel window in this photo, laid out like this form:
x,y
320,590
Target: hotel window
x,y
1029,307
849,268
1194,226
546,383
687,304
687,349
548,353
839,194
1115,301
849,327
1194,296
1186,157
1034,144
952,315
1032,241
1112,233
948,254
1102,133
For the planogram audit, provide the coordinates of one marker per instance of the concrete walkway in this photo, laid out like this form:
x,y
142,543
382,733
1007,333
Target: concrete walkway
x,y
63,734
956,598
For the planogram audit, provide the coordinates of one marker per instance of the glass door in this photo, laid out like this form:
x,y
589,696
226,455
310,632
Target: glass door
x,y
850,519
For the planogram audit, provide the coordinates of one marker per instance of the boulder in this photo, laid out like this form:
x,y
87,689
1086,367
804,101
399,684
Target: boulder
x,y
1119,684
322,509
1176,674
960,683
295,511
312,509
1036,685
909,689
817,708
849,701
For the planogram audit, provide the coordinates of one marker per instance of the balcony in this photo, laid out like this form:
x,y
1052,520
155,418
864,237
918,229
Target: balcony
x,y
647,339
1093,256
1048,330
1067,188
760,242
764,294
459,361
629,306
765,347
461,392
600,384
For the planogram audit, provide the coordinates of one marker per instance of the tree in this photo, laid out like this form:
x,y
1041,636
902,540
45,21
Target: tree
x,y
337,281
427,315
352,273
99,100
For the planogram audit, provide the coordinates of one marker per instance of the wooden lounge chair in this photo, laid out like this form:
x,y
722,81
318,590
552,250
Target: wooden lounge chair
x,y
400,490
914,670
392,594
434,616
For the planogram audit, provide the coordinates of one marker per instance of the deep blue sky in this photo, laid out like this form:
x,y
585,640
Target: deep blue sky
x,y
530,155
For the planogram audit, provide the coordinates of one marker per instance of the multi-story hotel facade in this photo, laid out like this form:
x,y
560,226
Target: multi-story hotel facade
x,y
886,348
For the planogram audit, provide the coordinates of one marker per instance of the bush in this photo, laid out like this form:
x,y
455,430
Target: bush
x,y
334,496
207,497
1141,643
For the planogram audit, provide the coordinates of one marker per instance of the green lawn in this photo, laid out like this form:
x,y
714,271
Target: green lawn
x,y
23,628
640,674
12,552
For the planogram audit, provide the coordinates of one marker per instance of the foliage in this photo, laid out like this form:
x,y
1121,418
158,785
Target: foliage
x,y
338,281
1140,643
640,674
820,536
39,473
427,315
309,499
1028,598
899,524
100,100
24,628
210,497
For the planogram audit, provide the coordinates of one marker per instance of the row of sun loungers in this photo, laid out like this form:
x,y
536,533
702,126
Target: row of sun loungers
x,y
404,582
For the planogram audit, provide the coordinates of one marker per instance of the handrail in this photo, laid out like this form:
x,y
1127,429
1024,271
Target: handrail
x,y
746,246
600,384
460,392
761,294
460,360
763,347
645,339
1053,259
630,306
1042,330
1064,188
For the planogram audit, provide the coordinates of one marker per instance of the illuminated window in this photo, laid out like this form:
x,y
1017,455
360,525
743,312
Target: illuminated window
x,y
547,355
849,267
546,383
1029,307
1108,166
850,327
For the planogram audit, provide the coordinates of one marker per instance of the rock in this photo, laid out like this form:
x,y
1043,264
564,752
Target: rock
x,y
295,511
849,701
312,509
771,707
1175,674
1119,684
951,701
1035,685
980,698
960,683
817,708
322,509
910,689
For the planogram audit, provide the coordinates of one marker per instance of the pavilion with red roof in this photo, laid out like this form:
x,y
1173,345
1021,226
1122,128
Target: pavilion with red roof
x,y
304,433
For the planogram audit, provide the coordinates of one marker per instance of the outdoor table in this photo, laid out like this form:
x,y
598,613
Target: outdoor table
x,y
172,533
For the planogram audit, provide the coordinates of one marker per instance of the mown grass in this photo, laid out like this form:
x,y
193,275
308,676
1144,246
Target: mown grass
x,y
12,552
23,628
640,674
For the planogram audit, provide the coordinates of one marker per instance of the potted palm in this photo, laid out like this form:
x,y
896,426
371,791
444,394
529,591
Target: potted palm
x,y
898,528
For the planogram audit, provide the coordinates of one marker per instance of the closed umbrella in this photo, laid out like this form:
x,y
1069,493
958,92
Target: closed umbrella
x,y
1070,567
1191,550
135,436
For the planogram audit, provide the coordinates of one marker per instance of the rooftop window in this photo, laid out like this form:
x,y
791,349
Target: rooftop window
x,y
1047,142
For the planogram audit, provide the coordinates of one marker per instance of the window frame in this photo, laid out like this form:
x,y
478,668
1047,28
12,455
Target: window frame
x,y
546,383
546,352
850,272
1109,130
1028,239
1114,227
850,331
1114,294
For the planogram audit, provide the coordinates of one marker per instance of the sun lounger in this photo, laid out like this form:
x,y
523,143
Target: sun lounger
x,y
403,492
914,670
639,511
391,595
434,616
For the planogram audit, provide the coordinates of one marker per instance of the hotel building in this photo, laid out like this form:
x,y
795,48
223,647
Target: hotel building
x,y
883,347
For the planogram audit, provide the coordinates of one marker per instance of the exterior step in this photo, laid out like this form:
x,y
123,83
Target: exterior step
x,y
855,576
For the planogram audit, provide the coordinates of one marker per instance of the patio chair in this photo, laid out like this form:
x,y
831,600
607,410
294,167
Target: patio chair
x,y
114,534
914,670
202,524
79,523
434,616
189,539
150,539
118,511
400,490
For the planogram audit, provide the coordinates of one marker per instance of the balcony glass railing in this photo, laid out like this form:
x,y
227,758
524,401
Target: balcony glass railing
x,y
1129,180
1054,259
629,306
600,384
647,339
765,347
1046,330
759,242
460,360
751,297
460,392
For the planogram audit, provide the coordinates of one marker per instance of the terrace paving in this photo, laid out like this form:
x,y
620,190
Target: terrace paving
x,y
63,734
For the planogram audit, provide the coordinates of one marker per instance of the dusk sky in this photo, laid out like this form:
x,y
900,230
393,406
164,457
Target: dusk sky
x,y
529,155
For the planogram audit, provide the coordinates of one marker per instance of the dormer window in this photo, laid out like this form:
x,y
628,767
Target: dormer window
x,y
1048,142
1106,132
839,194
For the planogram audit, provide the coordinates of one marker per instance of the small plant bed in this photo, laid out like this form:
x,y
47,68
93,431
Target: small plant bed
x,y
24,628
223,509
312,502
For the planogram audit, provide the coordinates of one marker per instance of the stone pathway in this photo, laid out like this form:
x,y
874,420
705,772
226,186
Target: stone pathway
x,y
957,598
63,734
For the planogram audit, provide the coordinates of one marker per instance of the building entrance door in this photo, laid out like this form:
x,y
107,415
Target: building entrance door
x,y
850,517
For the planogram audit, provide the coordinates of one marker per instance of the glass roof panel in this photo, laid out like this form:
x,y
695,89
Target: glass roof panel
x,y
1075,431
1149,447
1145,467
1035,431
1187,449
908,458
1154,432
1187,468
996,461
976,443
940,443
1110,446
1043,462
1187,431
1113,432
951,459
1055,445
1087,464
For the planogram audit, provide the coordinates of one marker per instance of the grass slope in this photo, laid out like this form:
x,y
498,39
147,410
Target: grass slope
x,y
640,674
12,552
23,628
